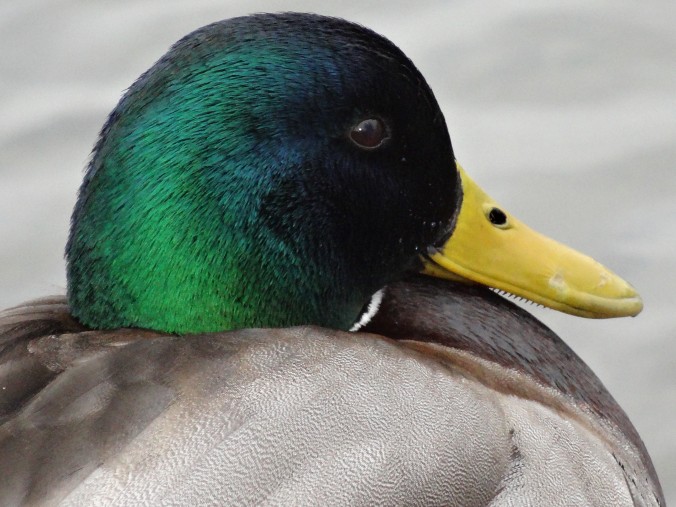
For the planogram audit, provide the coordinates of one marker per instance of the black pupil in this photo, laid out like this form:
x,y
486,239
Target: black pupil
x,y
497,216
368,133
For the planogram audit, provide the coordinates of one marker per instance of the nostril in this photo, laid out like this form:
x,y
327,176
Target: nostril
x,y
497,216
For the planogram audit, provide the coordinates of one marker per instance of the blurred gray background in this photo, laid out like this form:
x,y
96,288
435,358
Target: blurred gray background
x,y
564,112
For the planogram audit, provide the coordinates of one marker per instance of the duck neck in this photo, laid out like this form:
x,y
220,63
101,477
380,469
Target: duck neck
x,y
168,277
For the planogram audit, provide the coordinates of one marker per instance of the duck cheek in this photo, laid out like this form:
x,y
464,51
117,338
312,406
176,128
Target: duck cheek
x,y
431,197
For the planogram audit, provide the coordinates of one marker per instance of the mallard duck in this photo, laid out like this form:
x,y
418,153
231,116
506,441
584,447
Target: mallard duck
x,y
277,293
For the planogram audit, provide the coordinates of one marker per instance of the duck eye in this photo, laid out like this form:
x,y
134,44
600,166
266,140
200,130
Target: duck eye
x,y
497,216
369,133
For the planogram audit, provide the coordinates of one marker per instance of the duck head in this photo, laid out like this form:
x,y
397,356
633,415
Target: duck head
x,y
277,170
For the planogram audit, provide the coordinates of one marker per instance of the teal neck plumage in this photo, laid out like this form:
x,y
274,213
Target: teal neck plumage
x,y
200,210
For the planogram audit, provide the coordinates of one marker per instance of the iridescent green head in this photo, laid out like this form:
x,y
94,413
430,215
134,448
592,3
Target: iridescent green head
x,y
270,170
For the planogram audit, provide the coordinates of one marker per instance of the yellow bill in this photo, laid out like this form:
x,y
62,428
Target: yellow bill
x,y
491,247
